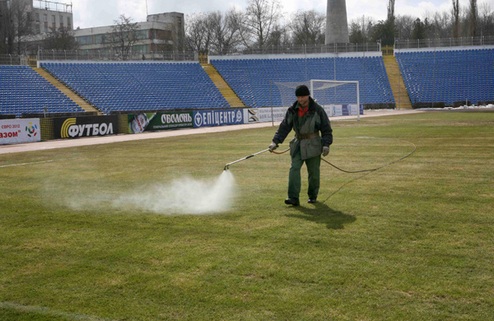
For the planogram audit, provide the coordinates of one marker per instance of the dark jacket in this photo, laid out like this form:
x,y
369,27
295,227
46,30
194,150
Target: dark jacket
x,y
307,130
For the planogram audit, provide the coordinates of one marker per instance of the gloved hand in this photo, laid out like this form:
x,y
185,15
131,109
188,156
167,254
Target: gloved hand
x,y
325,151
272,146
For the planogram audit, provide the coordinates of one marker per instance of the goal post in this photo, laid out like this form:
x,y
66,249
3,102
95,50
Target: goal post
x,y
337,97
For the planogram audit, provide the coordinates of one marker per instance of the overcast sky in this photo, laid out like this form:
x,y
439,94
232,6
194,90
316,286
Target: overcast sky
x,y
94,13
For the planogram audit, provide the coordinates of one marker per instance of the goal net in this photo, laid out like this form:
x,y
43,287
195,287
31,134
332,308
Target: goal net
x,y
339,98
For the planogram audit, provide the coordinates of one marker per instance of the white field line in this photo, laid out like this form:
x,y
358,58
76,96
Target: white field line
x,y
25,164
48,312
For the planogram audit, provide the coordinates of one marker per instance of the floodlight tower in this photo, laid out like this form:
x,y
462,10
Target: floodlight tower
x,y
336,22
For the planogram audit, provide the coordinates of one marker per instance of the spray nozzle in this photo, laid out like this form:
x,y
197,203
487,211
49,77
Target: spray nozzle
x,y
227,166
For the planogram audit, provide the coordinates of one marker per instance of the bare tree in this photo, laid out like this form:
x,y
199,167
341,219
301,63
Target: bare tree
x,y
440,25
198,34
472,19
226,31
19,25
360,29
456,18
308,28
259,27
215,32
391,9
486,20
4,27
123,36
262,18
280,38
389,27
404,26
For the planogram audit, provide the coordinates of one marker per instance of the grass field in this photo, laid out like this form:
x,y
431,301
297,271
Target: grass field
x,y
412,241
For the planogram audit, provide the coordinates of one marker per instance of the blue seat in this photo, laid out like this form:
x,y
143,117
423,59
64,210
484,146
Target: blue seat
x,y
448,76
140,86
254,80
26,92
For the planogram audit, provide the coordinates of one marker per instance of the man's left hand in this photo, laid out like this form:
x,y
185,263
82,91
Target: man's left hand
x,y
325,151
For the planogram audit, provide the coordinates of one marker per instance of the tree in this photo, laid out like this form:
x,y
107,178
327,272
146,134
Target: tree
x,y
17,24
356,33
361,29
439,25
198,34
280,38
60,39
456,18
472,19
123,36
419,30
404,26
262,18
389,27
226,31
308,28
5,24
383,32
486,20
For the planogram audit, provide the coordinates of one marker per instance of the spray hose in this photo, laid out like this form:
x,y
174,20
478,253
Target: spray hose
x,y
366,171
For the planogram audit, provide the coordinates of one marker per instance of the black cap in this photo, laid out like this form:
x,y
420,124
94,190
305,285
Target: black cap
x,y
302,90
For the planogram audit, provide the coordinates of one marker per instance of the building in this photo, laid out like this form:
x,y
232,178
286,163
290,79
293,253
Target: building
x,y
164,32
49,15
159,34
25,23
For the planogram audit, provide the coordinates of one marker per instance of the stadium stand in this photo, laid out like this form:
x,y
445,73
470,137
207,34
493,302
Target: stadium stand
x,y
139,86
24,91
448,76
254,80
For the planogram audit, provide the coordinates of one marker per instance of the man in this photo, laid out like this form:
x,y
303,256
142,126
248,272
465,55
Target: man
x,y
313,136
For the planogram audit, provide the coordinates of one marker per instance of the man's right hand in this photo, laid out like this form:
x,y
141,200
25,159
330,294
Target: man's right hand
x,y
272,146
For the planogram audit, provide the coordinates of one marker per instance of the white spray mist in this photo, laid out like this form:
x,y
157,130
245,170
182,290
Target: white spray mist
x,y
183,196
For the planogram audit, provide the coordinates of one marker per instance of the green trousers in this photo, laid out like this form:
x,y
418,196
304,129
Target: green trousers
x,y
294,178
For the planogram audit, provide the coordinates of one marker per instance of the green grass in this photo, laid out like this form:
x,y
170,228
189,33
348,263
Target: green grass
x,y
412,241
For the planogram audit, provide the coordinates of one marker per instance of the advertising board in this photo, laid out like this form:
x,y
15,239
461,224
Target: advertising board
x,y
17,131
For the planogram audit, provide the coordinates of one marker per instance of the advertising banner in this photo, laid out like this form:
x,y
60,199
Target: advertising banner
x,y
142,122
86,126
209,118
276,114
17,131
265,114
333,110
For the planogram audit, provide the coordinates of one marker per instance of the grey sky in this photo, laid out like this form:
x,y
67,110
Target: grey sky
x,y
93,13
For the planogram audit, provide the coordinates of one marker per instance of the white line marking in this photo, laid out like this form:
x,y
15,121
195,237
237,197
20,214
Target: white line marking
x,y
48,312
25,164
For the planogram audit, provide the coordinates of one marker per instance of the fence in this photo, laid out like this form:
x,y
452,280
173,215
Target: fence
x,y
10,60
109,55
444,42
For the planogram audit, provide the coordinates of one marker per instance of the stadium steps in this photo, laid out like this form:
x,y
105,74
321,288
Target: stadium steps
x,y
222,86
67,92
398,88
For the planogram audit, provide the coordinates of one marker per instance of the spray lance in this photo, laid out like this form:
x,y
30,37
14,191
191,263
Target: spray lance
x,y
227,166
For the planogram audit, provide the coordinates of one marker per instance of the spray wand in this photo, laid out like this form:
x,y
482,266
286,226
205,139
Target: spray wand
x,y
227,166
